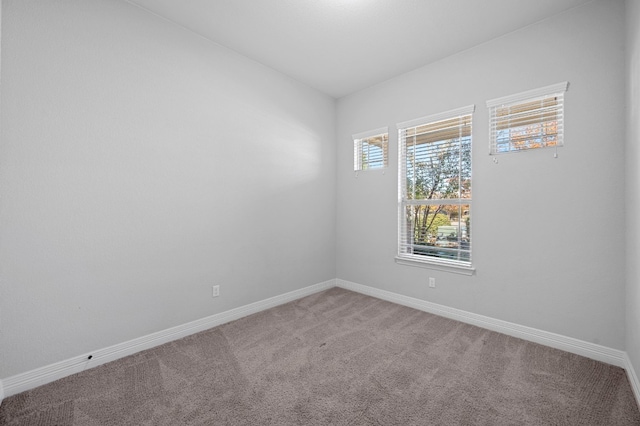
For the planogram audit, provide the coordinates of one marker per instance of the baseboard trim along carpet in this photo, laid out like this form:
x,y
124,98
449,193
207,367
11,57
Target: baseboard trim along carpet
x,y
568,344
40,376
633,377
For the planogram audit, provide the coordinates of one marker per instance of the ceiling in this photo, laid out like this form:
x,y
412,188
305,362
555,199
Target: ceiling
x,y
342,46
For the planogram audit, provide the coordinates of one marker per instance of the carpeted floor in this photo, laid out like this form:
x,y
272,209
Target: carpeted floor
x,y
337,358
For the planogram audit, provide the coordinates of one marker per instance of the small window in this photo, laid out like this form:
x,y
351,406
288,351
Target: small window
x,y
434,211
528,120
370,149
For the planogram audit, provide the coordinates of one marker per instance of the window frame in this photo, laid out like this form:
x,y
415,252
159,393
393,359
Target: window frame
x,y
403,257
359,163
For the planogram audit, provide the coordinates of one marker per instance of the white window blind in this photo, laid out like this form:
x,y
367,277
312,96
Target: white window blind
x,y
528,120
434,212
370,149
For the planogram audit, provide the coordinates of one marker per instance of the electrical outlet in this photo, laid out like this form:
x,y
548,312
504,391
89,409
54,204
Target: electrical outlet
x,y
216,291
432,282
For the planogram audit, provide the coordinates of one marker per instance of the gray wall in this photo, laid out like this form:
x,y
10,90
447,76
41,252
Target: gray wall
x,y
140,164
633,182
548,234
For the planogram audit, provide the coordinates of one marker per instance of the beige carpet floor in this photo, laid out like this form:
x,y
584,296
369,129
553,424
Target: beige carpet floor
x,y
337,358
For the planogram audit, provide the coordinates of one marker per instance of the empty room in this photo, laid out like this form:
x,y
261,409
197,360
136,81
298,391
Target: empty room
x,y
319,212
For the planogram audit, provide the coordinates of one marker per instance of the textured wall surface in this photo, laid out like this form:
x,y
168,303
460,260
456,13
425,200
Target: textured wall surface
x,y
140,164
633,182
548,234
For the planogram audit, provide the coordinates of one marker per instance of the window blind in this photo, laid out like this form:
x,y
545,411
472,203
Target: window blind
x,y
434,213
370,149
528,120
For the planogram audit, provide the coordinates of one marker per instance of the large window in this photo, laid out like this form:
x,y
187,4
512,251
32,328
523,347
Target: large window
x,y
370,149
528,120
434,213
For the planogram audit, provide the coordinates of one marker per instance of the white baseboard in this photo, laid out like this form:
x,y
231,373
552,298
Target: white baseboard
x,y
568,344
40,376
633,377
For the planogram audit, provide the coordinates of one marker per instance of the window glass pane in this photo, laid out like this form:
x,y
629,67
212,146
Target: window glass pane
x,y
538,135
527,124
439,169
441,231
371,152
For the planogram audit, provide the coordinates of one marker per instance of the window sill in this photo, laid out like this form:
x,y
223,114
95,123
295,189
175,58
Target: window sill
x,y
438,266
